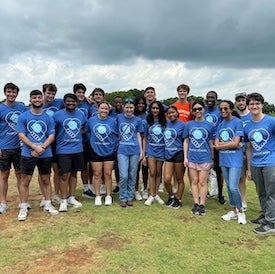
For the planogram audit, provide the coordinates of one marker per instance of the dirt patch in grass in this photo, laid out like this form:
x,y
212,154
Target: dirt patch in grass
x,y
248,244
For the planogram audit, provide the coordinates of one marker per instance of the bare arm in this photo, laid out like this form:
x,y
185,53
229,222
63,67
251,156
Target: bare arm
x,y
228,145
185,151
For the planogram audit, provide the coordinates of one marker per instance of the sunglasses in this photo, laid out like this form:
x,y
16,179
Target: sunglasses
x,y
226,108
197,109
128,100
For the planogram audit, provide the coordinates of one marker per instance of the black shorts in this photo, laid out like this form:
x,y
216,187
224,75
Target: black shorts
x,y
177,158
87,152
29,163
10,156
70,162
98,158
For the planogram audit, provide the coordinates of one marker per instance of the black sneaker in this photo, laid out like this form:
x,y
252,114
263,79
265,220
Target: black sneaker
x,y
116,190
202,210
176,204
221,200
259,221
88,194
170,201
196,209
264,229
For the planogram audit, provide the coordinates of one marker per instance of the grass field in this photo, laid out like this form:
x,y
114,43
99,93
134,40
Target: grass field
x,y
141,239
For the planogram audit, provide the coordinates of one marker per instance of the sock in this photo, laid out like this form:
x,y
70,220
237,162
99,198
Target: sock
x,y
47,203
86,187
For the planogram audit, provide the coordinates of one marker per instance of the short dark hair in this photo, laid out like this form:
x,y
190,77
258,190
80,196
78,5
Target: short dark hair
x,y
35,92
98,90
149,88
11,86
200,102
214,92
78,86
50,87
255,96
70,95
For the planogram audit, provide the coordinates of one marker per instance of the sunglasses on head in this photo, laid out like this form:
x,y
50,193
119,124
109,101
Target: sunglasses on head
x,y
128,100
197,109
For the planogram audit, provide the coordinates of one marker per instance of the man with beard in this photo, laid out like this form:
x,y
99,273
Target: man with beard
x,y
36,131
245,116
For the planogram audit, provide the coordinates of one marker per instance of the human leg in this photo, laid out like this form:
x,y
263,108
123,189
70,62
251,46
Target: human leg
x,y
123,165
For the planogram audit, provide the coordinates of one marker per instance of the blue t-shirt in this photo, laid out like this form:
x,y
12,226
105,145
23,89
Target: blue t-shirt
x,y
68,127
8,120
128,129
85,108
199,134
213,116
226,132
37,128
53,106
103,135
245,119
261,135
173,138
155,146
114,113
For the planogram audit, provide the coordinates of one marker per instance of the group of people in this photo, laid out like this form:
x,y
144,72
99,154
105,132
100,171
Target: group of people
x,y
89,135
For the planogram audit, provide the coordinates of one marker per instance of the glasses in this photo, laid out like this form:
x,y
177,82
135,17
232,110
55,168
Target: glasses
x,y
226,108
197,109
128,100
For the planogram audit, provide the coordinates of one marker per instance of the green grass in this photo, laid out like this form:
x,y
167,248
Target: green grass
x,y
141,239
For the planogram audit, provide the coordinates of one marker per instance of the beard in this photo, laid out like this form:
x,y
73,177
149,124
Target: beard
x,y
37,106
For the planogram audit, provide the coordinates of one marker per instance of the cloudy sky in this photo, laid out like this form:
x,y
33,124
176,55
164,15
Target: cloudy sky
x,y
227,46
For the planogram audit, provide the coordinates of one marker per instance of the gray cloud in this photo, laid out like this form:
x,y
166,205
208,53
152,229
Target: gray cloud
x,y
229,33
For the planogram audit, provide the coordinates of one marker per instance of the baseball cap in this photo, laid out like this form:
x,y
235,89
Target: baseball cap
x,y
239,95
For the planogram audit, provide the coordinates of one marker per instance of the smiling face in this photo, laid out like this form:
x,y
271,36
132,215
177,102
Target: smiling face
x,y
172,114
49,96
129,109
103,110
211,99
36,101
150,96
155,110
241,103
225,110
11,95
70,104
198,111
80,94
255,107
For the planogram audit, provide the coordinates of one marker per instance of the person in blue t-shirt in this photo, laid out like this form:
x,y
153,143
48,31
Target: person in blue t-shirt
x,y
10,110
36,131
154,149
213,115
198,155
103,138
260,137
173,138
140,111
79,90
129,151
245,116
69,124
228,141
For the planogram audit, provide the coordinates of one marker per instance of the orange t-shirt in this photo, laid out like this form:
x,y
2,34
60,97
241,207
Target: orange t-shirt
x,y
184,111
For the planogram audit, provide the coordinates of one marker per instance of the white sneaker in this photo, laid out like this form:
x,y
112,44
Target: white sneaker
x,y
159,200
161,187
23,213
72,201
145,194
241,218
63,206
102,189
50,208
149,201
175,190
98,201
231,215
108,200
244,206
138,196
56,199
42,203
3,208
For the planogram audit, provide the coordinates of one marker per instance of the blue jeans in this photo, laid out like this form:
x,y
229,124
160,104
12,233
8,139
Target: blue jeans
x,y
127,165
232,178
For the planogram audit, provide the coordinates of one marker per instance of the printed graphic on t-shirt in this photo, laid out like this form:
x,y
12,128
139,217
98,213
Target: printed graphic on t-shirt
x,y
11,119
156,133
127,131
37,129
198,136
102,131
170,135
258,138
51,110
72,126
226,134
212,118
